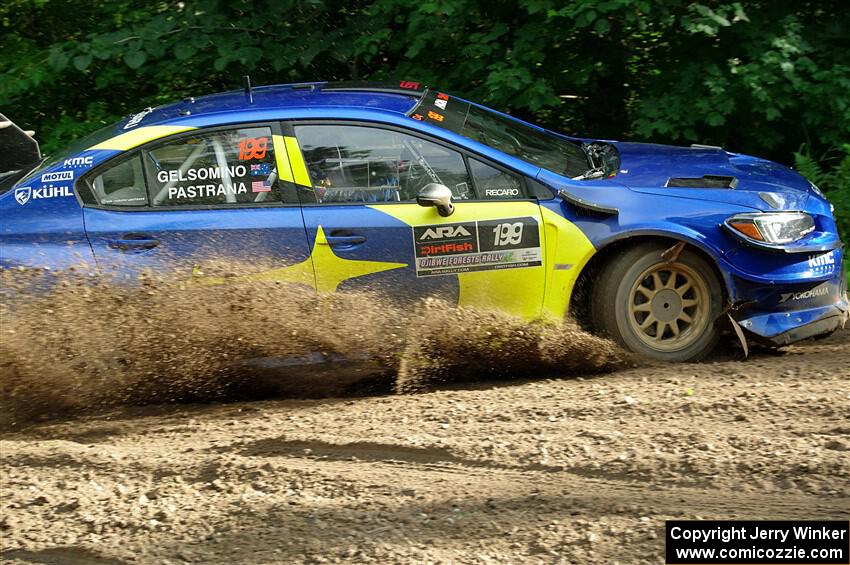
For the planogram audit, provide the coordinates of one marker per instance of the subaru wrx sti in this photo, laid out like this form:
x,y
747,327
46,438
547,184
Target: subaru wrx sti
x,y
419,193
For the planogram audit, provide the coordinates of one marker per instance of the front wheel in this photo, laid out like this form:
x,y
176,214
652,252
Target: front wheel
x,y
665,310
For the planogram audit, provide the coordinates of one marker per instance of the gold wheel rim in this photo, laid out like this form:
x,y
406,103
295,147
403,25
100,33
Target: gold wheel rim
x,y
668,307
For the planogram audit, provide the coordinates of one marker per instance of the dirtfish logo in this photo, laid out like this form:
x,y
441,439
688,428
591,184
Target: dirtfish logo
x,y
442,232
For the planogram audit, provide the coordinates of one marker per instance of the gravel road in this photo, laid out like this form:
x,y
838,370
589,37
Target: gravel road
x,y
574,470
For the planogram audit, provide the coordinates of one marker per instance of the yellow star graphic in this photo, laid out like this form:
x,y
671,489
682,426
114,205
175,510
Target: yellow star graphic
x,y
330,270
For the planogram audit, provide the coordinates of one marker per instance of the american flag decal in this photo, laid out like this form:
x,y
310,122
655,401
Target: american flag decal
x,y
261,186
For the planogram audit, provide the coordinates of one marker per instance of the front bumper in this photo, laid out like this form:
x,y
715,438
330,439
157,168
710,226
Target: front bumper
x,y
784,328
785,313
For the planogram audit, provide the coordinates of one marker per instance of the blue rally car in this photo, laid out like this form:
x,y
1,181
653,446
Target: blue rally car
x,y
418,193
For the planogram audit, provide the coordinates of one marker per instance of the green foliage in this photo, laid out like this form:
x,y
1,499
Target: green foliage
x,y
831,174
761,77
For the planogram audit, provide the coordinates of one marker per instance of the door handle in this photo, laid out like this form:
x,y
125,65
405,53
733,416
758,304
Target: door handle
x,y
344,240
133,242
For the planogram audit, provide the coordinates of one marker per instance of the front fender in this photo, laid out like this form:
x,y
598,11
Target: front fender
x,y
679,233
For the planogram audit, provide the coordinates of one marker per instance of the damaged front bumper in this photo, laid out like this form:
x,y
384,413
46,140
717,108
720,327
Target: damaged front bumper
x,y
787,313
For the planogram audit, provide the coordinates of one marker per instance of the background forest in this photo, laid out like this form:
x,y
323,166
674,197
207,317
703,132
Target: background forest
x,y
769,77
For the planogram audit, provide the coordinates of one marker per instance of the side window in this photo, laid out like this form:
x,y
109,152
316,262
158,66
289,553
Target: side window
x,y
493,184
219,168
365,164
123,184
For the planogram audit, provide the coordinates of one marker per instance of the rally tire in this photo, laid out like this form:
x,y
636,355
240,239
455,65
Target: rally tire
x,y
663,309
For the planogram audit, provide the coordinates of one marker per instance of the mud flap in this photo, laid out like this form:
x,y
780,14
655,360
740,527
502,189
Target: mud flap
x,y
740,333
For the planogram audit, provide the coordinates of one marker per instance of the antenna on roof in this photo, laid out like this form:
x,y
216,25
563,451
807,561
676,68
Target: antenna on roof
x,y
246,83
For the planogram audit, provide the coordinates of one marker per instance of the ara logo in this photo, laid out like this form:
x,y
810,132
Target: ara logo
x,y
821,290
78,162
22,194
443,232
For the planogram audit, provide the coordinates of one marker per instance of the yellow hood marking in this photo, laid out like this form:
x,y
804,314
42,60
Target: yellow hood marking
x,y
140,136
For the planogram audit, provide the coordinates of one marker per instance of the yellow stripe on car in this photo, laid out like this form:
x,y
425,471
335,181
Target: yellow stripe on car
x,y
567,250
140,136
299,169
283,166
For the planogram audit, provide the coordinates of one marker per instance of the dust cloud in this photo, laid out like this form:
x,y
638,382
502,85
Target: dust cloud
x,y
72,343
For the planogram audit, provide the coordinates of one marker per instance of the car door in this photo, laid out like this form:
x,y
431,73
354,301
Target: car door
x,y
358,184
208,202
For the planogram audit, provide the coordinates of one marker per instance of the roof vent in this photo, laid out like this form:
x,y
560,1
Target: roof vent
x,y
706,181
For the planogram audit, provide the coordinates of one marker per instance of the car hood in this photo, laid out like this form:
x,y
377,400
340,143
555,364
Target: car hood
x,y
712,174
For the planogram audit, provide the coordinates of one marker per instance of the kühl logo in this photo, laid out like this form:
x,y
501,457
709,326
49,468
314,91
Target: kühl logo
x,y
22,194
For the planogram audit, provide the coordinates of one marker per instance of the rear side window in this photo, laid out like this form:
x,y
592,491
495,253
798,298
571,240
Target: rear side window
x,y
219,168
493,184
121,185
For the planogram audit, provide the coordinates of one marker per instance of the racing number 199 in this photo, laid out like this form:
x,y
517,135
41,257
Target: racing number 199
x,y
507,234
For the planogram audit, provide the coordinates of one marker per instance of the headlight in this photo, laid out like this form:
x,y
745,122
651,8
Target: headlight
x,y
774,228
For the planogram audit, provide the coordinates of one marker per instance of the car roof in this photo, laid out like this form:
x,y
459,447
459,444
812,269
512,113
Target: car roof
x,y
387,97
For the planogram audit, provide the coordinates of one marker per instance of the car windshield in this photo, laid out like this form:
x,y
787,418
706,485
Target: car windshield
x,y
536,146
81,145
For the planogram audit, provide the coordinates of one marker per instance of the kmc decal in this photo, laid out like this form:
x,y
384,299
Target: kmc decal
x,y
78,162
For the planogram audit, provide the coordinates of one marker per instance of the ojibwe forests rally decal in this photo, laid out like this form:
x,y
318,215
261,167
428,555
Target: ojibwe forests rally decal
x,y
445,249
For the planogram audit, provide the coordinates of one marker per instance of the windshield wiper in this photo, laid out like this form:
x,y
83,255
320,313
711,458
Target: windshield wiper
x,y
596,173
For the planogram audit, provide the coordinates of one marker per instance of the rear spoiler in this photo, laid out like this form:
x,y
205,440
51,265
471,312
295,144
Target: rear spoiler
x,y
18,150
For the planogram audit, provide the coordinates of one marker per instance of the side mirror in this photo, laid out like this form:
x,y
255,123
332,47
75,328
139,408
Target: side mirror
x,y
437,195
